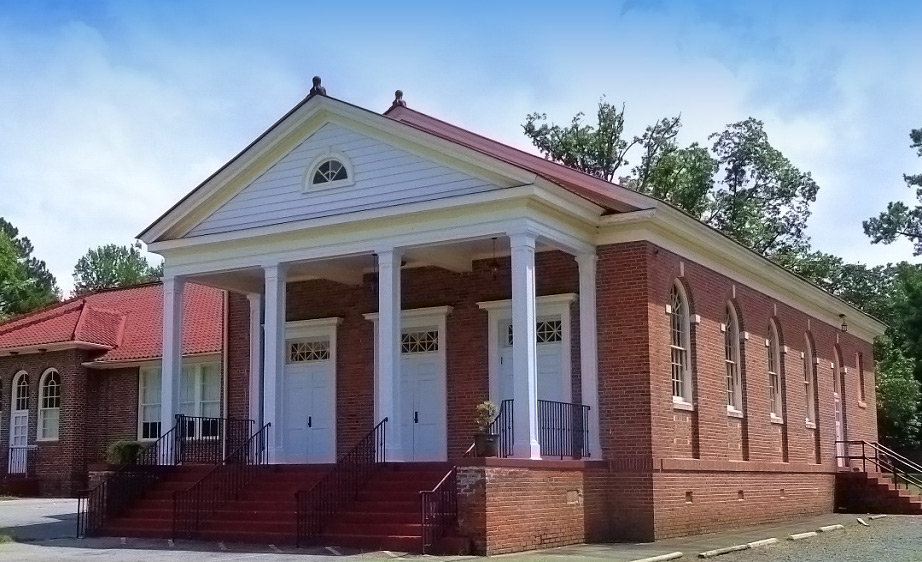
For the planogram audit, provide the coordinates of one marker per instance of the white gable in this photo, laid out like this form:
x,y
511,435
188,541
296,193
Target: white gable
x,y
384,175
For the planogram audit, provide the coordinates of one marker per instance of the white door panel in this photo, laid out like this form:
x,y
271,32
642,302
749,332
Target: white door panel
x,y
309,413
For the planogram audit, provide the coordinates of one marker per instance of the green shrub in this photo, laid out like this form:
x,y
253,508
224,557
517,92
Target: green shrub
x,y
123,452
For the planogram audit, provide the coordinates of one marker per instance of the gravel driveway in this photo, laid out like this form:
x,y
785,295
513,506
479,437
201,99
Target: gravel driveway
x,y
891,539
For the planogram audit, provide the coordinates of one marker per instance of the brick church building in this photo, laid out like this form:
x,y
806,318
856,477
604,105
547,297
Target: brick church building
x,y
656,378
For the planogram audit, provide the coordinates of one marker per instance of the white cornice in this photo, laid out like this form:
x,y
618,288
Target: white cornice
x,y
415,313
688,237
543,301
49,347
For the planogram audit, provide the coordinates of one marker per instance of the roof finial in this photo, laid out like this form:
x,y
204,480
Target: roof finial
x,y
398,99
318,89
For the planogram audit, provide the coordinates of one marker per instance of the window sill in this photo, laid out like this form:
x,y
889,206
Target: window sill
x,y
47,439
682,405
810,425
734,413
777,420
862,404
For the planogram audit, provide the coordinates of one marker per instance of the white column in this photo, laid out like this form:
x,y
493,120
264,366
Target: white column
x,y
524,348
388,349
588,349
256,357
171,360
273,353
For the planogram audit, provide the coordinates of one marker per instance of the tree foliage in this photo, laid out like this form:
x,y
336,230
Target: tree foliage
x,y
112,266
899,220
25,282
742,185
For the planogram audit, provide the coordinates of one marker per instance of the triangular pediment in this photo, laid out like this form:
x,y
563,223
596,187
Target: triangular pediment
x,y
388,163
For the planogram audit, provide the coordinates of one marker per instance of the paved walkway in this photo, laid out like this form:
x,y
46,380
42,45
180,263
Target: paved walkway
x,y
44,530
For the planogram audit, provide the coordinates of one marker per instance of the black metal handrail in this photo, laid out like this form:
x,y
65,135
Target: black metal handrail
x,y
129,482
341,485
888,462
21,461
205,440
221,484
563,429
439,509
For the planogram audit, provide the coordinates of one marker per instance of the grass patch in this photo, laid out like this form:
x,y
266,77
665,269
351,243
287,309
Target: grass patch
x,y
5,539
7,498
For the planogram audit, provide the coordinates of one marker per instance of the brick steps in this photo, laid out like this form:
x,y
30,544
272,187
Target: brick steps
x,y
384,516
874,492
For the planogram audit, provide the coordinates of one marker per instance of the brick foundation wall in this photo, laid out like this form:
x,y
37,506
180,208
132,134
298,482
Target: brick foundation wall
x,y
724,496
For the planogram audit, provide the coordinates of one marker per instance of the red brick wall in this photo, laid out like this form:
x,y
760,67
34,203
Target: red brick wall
x,y
722,496
112,408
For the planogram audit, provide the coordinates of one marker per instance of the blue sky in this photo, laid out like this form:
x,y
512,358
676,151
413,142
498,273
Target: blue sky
x,y
111,111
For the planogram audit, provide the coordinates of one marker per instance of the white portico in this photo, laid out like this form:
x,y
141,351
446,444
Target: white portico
x,y
338,193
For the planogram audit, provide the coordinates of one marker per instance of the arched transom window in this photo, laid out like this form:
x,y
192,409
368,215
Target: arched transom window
x,y
774,373
330,170
732,362
679,344
49,412
809,388
21,393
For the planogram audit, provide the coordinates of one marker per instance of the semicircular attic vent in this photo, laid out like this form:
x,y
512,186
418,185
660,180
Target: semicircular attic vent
x,y
329,170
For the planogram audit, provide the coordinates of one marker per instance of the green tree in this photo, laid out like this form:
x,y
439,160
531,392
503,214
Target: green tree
x,y
597,150
25,282
762,200
742,186
113,266
899,220
898,395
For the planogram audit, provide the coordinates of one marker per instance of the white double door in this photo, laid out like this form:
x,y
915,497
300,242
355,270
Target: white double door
x,y
549,359
309,409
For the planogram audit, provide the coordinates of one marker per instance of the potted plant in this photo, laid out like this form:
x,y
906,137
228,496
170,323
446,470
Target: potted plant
x,y
486,444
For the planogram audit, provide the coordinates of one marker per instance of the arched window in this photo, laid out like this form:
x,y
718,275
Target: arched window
x,y
732,361
49,411
679,343
21,392
774,373
809,386
328,171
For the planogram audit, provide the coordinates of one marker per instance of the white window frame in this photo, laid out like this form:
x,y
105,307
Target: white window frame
x,y
143,373
809,384
775,403
307,182
732,363
681,314
45,413
198,402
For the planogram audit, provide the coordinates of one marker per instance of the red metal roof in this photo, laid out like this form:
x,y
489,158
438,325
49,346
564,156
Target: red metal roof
x,y
128,322
603,193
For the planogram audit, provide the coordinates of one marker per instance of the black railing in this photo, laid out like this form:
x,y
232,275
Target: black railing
x,y
341,485
221,484
21,461
563,429
121,488
504,426
439,509
207,440
888,462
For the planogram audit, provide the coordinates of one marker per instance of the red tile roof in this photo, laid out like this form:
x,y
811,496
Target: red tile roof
x,y
126,323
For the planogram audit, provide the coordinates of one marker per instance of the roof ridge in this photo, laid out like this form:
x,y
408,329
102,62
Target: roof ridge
x,y
26,321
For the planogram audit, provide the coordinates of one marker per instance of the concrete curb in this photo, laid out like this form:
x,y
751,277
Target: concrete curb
x,y
724,550
801,536
661,557
876,517
763,542
829,528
